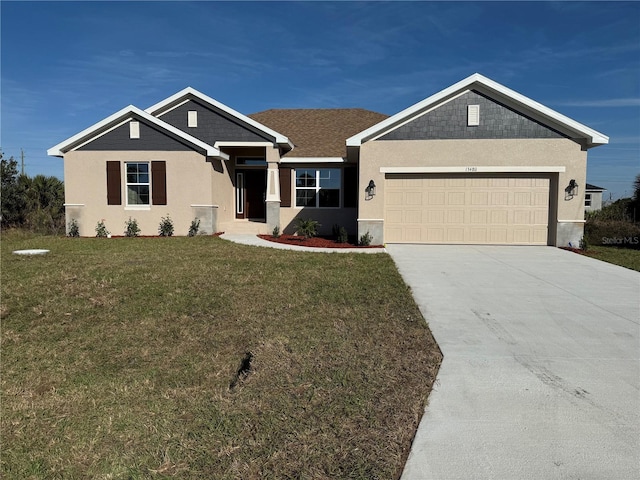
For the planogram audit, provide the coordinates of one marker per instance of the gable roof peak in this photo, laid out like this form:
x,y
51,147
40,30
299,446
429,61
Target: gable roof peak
x,y
189,92
511,98
129,111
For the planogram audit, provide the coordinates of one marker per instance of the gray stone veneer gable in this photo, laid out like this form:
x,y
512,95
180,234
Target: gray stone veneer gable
x,y
212,126
449,121
150,139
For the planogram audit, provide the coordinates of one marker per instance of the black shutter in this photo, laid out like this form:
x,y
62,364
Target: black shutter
x,y
350,187
158,183
285,186
114,185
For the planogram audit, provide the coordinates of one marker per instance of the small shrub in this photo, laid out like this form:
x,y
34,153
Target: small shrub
x,y
101,229
365,240
165,229
195,226
131,228
584,245
342,236
74,229
335,230
308,228
276,232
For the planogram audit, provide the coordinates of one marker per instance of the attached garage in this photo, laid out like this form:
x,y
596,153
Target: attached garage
x,y
476,163
468,209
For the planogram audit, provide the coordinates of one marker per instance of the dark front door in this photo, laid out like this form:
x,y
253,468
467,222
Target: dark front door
x,y
254,191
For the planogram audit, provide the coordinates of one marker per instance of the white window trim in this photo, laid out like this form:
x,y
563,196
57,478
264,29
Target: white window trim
x,y
317,189
126,190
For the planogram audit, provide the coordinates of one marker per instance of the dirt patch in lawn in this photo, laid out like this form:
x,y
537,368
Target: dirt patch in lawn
x,y
316,242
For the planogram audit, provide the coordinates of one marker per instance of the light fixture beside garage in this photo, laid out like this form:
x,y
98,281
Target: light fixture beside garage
x,y
571,190
371,189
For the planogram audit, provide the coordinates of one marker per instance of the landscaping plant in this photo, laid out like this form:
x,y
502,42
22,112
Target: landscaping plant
x,y
308,228
194,227
101,229
131,228
165,229
365,240
74,229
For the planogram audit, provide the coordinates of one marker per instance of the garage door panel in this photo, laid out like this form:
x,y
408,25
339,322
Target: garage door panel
x,y
436,198
499,198
413,198
435,217
413,216
467,209
480,198
478,235
455,198
455,235
455,216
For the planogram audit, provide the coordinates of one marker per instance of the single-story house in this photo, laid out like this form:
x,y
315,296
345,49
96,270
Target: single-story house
x,y
474,163
593,197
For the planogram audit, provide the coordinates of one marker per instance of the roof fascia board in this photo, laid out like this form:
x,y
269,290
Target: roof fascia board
x,y
121,116
158,109
313,160
487,85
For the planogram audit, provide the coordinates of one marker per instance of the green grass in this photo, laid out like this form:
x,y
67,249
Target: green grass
x,y
118,356
625,257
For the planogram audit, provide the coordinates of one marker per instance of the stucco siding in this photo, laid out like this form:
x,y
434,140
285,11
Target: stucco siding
x,y
449,121
193,185
212,125
470,154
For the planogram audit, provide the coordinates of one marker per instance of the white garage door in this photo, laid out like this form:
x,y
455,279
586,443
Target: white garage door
x,y
466,209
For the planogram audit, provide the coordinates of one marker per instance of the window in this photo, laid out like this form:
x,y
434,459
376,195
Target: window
x,y
587,199
192,120
138,183
318,188
251,161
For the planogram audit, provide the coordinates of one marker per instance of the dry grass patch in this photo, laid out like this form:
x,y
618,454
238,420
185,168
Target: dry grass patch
x,y
123,358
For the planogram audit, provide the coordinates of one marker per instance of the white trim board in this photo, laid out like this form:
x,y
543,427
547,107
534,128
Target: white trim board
x,y
474,169
313,160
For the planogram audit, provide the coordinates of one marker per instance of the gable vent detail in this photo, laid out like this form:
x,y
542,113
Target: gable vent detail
x,y
134,129
193,118
473,115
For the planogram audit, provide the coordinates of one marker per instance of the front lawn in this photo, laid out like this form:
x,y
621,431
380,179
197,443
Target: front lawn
x,y
199,358
625,257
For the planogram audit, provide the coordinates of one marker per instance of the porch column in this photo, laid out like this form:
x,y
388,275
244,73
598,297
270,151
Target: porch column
x,y
272,199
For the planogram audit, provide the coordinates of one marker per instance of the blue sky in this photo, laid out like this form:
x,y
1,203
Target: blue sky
x,y
68,65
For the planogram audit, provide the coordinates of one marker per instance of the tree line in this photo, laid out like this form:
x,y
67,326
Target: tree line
x,y
33,203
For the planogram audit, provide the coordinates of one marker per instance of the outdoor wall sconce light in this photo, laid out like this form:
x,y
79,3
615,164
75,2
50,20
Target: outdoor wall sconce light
x,y
572,189
371,189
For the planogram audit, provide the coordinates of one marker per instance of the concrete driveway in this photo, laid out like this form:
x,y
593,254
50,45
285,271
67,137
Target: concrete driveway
x,y
541,370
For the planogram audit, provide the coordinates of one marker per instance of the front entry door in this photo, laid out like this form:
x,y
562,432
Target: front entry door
x,y
252,189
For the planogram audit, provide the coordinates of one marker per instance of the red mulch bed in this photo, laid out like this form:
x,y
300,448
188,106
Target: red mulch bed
x,y
318,242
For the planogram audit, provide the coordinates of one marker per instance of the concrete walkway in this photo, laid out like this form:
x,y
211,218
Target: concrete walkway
x,y
250,239
541,370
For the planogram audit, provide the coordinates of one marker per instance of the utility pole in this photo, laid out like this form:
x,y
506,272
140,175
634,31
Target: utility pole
x,y
22,160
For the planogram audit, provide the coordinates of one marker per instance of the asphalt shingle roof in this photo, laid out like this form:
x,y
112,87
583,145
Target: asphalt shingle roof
x,y
318,132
